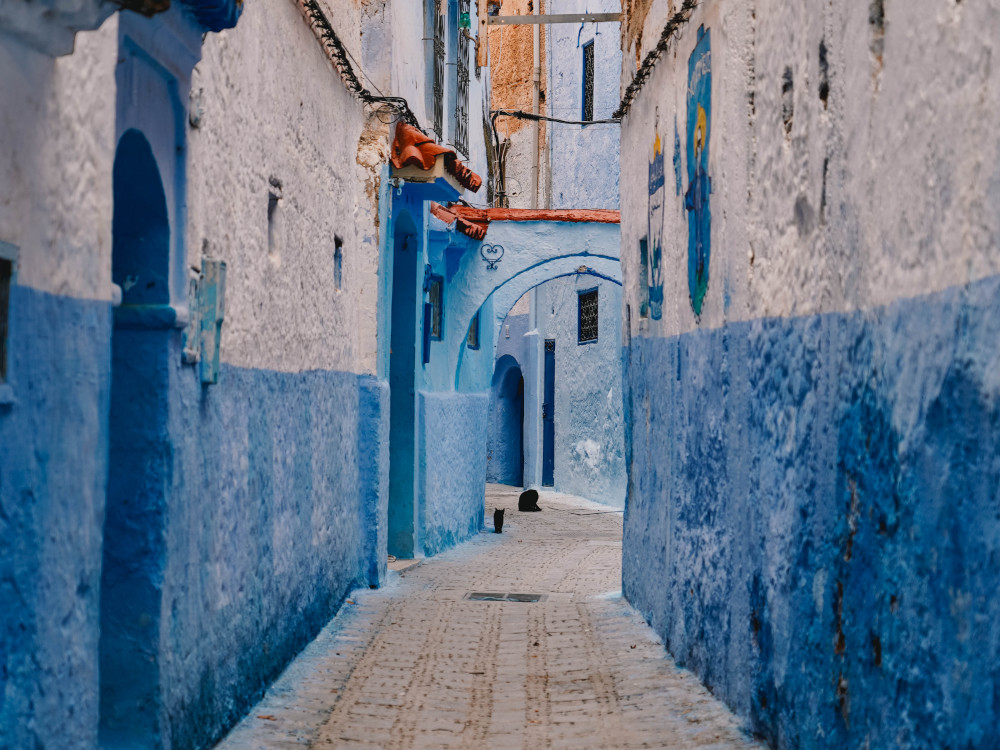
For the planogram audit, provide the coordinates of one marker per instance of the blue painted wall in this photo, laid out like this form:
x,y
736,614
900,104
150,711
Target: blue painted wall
x,y
452,468
53,471
275,509
813,523
505,449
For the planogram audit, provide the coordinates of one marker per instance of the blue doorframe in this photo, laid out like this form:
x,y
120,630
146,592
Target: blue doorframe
x,y
402,399
140,455
548,416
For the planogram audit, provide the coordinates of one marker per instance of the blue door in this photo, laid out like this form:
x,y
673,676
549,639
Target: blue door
x,y
548,416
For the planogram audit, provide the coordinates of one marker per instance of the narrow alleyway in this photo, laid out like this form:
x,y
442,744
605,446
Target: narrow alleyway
x,y
419,665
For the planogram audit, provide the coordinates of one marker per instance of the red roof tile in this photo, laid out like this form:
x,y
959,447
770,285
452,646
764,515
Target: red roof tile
x,y
413,147
473,229
600,215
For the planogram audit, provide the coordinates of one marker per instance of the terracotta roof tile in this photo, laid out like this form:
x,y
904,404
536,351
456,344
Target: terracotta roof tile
x,y
413,147
473,229
599,215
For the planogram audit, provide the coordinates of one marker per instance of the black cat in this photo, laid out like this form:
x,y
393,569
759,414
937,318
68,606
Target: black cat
x,y
528,501
498,520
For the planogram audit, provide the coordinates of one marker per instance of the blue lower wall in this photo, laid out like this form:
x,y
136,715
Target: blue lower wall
x,y
814,518
53,470
275,509
452,489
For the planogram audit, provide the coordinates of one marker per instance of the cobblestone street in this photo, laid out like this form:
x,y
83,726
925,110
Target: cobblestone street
x,y
418,665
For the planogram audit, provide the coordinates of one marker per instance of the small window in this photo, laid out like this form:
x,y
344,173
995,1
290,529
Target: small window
x,y
472,340
643,278
588,81
8,256
587,319
338,262
435,297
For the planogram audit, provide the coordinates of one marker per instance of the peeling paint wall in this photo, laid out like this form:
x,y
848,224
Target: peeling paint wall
x,y
811,518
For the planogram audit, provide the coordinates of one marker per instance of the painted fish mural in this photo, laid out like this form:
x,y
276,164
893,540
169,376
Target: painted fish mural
x,y
657,195
697,198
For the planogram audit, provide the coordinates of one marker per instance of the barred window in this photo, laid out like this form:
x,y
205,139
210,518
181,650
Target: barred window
x,y
587,318
588,81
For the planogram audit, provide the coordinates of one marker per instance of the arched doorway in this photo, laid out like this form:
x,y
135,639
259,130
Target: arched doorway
x,y
140,454
505,452
402,404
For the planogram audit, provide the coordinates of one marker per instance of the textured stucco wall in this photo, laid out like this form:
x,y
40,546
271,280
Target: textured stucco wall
x,y
589,436
277,504
811,519
57,127
452,467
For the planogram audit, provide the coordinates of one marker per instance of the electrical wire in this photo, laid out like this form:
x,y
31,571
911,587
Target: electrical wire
x,y
674,23
338,54
521,115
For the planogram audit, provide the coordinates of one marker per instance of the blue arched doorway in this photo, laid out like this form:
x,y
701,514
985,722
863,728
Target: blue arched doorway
x,y
140,454
402,403
505,452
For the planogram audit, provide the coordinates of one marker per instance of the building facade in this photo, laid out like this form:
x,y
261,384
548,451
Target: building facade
x,y
199,224
810,265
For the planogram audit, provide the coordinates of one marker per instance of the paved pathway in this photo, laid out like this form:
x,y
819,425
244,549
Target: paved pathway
x,y
418,665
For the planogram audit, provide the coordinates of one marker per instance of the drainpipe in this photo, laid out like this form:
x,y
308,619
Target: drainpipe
x,y
537,75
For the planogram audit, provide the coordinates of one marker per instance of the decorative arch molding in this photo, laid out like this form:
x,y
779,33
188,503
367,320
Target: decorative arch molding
x,y
530,247
506,295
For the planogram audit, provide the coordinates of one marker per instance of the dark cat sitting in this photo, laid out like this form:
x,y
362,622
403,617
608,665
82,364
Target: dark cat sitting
x,y
528,501
498,520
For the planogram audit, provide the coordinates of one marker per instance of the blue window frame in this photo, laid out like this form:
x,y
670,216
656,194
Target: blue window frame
x,y
588,81
586,329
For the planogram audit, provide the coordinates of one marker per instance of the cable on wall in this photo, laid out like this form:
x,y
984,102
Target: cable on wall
x,y
521,115
674,23
338,55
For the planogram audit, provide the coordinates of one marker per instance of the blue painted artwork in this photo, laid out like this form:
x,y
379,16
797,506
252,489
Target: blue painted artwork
x,y
696,200
656,200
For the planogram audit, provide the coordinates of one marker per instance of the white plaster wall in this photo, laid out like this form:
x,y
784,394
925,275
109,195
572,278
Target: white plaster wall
x,y
49,26
57,127
272,106
589,429
912,176
583,159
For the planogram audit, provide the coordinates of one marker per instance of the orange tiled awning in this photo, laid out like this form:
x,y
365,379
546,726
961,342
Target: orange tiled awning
x,y
412,147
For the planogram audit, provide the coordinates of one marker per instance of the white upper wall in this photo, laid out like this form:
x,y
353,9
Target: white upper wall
x,y
57,127
888,190
274,109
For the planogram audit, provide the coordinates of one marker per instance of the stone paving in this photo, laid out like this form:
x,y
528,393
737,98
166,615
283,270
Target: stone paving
x,y
418,665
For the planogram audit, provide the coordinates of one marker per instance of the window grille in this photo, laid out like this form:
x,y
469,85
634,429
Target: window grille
x,y
588,81
587,317
439,76
435,296
473,338
462,87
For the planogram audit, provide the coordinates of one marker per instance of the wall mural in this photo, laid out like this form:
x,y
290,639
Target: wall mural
x,y
656,200
696,200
